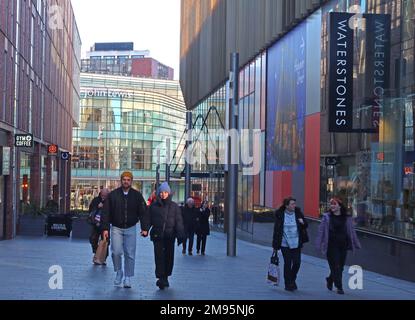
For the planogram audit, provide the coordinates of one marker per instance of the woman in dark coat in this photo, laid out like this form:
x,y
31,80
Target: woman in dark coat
x,y
203,229
290,233
336,235
166,225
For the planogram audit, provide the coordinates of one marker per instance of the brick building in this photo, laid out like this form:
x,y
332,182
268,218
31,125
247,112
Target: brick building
x,y
39,98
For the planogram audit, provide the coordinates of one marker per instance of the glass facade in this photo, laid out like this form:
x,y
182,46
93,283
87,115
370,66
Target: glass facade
x,y
123,123
286,93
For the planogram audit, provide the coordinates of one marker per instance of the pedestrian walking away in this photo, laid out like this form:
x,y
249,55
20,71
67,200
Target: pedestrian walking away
x,y
290,233
166,224
336,235
203,230
95,219
191,222
123,209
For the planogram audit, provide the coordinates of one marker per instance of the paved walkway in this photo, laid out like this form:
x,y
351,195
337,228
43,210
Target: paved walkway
x,y
25,263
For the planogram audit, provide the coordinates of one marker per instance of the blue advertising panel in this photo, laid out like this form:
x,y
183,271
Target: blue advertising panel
x,y
286,102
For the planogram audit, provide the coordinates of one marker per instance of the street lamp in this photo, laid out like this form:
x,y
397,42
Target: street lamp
x,y
100,134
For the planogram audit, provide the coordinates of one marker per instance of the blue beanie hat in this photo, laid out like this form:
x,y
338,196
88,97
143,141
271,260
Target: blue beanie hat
x,y
164,187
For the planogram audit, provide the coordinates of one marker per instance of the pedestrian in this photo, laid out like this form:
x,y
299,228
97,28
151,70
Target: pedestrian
x,y
123,209
166,224
191,220
336,235
95,216
290,233
203,229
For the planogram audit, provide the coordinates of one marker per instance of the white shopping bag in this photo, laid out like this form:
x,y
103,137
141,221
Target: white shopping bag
x,y
274,270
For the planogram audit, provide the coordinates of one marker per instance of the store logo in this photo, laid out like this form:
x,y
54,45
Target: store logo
x,y
65,156
55,17
52,150
23,140
106,94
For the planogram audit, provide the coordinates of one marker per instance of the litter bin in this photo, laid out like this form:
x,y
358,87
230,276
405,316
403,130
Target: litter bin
x,y
59,225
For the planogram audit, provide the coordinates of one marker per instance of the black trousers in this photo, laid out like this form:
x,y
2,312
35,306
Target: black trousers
x,y
164,257
292,263
94,239
336,257
190,235
201,240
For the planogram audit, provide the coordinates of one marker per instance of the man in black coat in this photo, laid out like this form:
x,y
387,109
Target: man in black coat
x,y
166,225
203,229
95,213
123,209
191,223
290,233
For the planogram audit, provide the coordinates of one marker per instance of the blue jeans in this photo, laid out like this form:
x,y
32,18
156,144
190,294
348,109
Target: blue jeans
x,y
124,242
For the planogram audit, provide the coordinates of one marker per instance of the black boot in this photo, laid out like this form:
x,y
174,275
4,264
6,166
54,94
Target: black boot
x,y
329,283
166,282
161,284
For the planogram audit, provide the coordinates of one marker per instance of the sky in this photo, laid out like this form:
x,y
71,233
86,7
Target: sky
x,y
151,24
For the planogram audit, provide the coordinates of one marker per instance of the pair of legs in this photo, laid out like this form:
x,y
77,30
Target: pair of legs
x,y
164,259
94,239
201,242
190,235
336,257
123,243
292,263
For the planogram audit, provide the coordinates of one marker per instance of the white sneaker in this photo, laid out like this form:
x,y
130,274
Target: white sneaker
x,y
118,278
127,282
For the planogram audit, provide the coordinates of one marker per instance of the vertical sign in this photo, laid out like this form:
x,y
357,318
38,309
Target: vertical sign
x,y
341,73
378,45
6,161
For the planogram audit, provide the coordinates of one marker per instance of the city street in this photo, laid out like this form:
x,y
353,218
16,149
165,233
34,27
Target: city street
x,y
25,263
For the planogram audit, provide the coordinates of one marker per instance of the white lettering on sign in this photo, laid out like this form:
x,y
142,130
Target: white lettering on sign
x,y
105,93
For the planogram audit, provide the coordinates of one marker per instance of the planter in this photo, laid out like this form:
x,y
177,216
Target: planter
x,y
81,229
31,225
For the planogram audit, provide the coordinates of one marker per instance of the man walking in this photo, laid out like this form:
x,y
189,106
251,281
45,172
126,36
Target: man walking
x,y
122,210
95,216
190,219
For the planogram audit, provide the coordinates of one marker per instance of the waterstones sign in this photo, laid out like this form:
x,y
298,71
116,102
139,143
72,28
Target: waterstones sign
x,y
341,68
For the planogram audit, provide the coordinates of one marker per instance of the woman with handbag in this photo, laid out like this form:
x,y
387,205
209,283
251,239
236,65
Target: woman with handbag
x,y
290,233
336,235
166,225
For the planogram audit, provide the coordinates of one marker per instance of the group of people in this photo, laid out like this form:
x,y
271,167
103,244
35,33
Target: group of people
x,y
336,236
163,220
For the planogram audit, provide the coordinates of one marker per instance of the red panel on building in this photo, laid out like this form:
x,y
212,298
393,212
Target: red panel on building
x,y
282,187
142,68
257,190
312,165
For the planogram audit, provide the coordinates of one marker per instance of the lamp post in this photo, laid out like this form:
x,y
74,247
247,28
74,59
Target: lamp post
x,y
100,134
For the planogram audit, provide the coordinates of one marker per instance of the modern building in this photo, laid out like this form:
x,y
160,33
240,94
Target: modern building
x,y
40,53
329,88
120,58
126,124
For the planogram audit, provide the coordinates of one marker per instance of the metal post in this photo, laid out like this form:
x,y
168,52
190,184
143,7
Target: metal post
x,y
168,160
187,163
158,170
232,184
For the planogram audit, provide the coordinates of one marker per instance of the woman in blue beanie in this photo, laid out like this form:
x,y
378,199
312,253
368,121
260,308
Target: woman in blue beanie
x,y
166,225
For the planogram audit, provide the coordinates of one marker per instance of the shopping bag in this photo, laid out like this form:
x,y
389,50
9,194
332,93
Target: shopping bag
x,y
274,270
101,254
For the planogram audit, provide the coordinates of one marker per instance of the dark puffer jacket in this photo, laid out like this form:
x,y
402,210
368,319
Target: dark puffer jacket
x,y
125,211
166,220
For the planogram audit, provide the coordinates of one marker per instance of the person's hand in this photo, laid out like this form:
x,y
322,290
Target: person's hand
x,y
100,206
144,234
105,235
301,221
